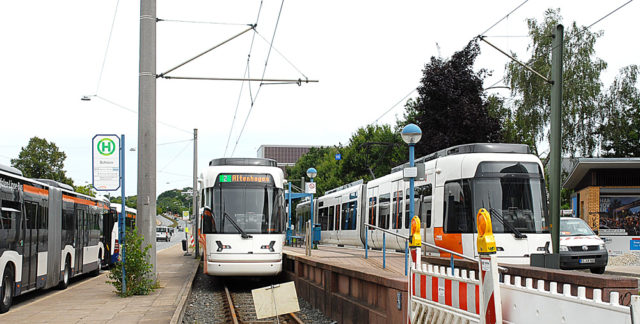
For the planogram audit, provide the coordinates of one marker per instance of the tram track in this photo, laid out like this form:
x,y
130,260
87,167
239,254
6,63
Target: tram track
x,y
239,308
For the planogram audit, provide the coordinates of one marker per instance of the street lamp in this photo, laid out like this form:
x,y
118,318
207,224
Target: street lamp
x,y
312,173
411,134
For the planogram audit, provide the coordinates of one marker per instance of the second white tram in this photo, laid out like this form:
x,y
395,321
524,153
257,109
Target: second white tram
x,y
506,179
242,227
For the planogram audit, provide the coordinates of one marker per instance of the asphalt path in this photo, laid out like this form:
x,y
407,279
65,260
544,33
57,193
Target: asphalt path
x,y
176,238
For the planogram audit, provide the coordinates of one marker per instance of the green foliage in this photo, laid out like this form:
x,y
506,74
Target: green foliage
x,y
621,112
581,87
450,107
42,159
130,201
85,190
175,201
137,268
372,152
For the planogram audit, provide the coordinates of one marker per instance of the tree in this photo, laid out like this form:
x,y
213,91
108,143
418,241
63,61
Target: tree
x,y
175,201
131,201
451,108
581,87
621,112
138,269
41,159
85,190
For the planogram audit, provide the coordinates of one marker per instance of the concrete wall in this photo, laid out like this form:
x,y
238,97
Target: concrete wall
x,y
348,295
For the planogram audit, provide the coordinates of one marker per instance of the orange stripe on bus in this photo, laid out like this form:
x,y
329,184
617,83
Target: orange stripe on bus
x,y
79,200
449,241
34,190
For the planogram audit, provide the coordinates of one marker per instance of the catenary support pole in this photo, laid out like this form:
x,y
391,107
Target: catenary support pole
x,y
146,206
556,134
122,218
196,211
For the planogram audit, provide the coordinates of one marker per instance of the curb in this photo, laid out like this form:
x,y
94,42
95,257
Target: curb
x,y
179,312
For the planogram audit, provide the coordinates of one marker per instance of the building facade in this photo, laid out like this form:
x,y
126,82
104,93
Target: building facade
x,y
285,155
607,196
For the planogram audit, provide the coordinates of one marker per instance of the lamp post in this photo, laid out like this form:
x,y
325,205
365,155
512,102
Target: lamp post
x,y
411,134
312,173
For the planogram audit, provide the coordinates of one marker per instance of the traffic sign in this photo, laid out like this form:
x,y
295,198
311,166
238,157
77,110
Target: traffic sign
x,y
310,187
106,162
338,156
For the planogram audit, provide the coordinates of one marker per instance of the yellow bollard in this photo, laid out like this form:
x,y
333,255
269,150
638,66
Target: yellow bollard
x,y
490,301
415,241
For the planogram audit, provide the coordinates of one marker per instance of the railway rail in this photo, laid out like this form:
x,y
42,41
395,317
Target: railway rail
x,y
240,310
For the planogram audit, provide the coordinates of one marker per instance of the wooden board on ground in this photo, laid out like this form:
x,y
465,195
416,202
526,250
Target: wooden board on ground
x,y
275,300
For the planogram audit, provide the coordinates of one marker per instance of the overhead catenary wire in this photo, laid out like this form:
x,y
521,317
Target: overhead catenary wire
x,y
397,103
201,22
609,14
282,55
175,157
275,29
505,17
106,51
246,74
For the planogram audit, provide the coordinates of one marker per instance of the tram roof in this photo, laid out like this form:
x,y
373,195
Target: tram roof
x,y
244,162
471,148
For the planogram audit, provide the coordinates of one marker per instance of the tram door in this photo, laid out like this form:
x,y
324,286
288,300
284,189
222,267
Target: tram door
x,y
79,239
30,245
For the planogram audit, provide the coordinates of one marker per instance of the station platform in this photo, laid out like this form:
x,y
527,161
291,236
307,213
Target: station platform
x,y
92,300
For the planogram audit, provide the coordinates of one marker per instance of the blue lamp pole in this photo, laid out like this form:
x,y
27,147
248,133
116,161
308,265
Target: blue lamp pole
x,y
312,173
411,135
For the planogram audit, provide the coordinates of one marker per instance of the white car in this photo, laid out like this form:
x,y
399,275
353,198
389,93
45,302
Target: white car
x,y
580,248
162,233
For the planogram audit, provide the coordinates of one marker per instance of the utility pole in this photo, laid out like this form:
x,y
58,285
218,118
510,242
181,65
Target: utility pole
x,y
556,134
147,129
196,212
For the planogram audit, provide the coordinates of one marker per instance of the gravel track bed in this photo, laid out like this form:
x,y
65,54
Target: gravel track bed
x,y
207,302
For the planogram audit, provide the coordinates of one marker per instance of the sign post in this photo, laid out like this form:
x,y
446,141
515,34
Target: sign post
x,y
108,175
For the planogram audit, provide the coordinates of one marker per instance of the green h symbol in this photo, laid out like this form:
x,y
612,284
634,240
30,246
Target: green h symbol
x,y
106,146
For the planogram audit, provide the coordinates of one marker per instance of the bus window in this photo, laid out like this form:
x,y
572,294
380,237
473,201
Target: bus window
x,y
383,222
331,219
457,205
31,211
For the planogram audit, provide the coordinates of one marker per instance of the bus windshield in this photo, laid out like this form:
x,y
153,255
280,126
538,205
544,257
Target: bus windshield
x,y
254,208
514,194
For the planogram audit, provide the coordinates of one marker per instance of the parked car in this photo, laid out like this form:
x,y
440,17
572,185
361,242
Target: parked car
x,y
580,247
162,233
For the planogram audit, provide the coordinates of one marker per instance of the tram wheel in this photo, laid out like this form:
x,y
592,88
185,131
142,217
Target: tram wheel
x,y
6,294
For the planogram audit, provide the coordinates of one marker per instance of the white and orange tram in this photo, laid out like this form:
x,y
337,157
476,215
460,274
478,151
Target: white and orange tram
x,y
506,179
242,223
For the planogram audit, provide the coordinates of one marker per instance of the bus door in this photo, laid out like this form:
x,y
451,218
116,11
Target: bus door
x,y
79,239
108,222
30,245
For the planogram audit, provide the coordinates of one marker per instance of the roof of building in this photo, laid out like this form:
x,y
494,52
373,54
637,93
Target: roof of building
x,y
584,165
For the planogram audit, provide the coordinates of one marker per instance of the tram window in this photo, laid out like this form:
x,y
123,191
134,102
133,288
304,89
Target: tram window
x,y
31,211
419,209
383,222
396,210
457,206
345,216
372,210
331,219
323,218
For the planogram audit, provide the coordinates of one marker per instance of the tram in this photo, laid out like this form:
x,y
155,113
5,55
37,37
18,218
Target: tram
x,y
48,234
506,179
242,217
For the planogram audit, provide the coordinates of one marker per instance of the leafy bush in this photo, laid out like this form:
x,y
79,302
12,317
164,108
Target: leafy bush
x,y
137,267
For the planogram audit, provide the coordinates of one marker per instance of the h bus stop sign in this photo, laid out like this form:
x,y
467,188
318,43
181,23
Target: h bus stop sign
x,y
106,162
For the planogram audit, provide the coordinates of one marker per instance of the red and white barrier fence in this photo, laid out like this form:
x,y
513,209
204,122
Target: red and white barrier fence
x,y
439,296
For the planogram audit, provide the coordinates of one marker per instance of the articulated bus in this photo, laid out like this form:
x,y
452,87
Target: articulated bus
x,y
130,222
48,234
243,217
505,179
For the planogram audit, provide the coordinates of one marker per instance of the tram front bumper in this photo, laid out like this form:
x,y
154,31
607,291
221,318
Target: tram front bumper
x,y
244,267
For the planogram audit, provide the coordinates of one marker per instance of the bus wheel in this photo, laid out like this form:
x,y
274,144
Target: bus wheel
x,y
97,271
6,294
66,275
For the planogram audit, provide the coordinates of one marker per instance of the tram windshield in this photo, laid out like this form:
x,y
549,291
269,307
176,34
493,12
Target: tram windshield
x,y
254,208
514,194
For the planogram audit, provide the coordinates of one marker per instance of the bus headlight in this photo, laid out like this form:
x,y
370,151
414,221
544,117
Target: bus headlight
x,y
563,248
602,247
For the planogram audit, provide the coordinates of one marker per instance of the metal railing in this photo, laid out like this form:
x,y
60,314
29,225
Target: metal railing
x,y
406,249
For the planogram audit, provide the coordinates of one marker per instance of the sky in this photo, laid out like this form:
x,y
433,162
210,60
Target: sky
x,y
367,56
